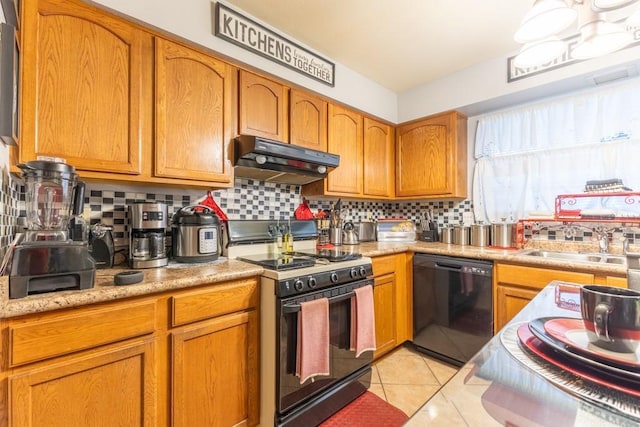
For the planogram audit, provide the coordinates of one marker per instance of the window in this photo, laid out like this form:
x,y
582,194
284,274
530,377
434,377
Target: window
x,y
527,156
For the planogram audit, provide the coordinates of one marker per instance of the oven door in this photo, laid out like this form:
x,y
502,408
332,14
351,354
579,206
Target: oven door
x,y
343,362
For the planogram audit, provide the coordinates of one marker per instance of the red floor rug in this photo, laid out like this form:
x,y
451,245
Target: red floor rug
x,y
367,410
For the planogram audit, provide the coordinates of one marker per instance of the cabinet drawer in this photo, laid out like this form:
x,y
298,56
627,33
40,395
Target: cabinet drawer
x,y
383,265
68,332
537,277
221,299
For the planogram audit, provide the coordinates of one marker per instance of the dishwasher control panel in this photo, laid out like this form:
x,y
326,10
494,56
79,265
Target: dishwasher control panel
x,y
476,270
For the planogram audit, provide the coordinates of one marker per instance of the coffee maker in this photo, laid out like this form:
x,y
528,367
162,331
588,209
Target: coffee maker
x,y
147,238
46,259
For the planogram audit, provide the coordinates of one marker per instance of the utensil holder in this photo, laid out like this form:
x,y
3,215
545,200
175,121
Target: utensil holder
x,y
430,236
335,236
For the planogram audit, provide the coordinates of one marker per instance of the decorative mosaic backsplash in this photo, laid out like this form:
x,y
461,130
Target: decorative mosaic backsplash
x,y
247,200
9,209
259,200
581,232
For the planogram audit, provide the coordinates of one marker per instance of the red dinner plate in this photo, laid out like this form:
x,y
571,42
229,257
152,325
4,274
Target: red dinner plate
x,y
537,347
572,333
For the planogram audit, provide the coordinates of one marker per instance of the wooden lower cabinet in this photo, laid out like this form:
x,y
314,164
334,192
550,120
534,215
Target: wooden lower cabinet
x,y
212,366
115,386
392,301
509,301
184,358
384,301
516,285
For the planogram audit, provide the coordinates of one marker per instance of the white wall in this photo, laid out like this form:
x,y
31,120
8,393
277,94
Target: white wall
x,y
484,87
473,91
192,20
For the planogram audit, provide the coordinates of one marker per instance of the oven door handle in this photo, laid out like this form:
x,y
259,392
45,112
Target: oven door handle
x,y
294,308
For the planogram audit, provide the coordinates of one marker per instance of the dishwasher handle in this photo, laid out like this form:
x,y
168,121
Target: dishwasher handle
x,y
455,267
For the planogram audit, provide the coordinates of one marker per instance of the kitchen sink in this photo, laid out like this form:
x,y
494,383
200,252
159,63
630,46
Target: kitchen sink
x,y
615,259
579,257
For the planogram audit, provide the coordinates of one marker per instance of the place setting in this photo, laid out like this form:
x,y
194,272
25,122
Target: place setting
x,y
595,356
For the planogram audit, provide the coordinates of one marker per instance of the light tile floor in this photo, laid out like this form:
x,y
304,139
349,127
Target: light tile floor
x,y
407,379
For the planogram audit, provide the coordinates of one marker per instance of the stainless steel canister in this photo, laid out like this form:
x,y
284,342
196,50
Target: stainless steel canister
x,y
335,236
480,234
461,234
503,234
446,234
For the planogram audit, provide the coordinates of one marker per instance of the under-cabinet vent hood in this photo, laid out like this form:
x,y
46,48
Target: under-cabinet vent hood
x,y
267,160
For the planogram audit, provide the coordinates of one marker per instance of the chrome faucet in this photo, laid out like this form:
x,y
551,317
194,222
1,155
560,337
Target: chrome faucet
x,y
603,242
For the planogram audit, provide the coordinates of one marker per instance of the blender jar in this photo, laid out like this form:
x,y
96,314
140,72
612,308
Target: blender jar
x,y
49,195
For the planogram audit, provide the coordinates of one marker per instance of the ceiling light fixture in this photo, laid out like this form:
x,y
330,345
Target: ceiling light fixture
x,y
541,26
546,18
539,52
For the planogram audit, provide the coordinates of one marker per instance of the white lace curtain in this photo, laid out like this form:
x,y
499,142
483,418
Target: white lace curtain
x,y
526,157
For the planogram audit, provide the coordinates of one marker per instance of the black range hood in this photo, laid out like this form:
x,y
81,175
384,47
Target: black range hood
x,y
267,160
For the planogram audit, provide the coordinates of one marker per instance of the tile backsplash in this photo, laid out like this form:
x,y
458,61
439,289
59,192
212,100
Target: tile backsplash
x,y
248,199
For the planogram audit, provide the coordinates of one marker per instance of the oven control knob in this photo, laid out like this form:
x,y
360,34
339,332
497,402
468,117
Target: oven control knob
x,y
354,273
298,284
334,277
363,272
312,282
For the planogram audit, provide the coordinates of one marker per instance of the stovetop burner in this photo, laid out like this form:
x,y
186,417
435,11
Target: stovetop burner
x,y
331,255
280,263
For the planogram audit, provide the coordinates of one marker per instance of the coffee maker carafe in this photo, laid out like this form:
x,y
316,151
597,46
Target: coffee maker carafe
x,y
47,260
147,238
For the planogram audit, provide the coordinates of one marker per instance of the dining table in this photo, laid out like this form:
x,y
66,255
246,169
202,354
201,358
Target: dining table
x,y
518,380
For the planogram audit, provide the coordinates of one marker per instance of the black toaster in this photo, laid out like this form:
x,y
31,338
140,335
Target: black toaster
x,y
101,245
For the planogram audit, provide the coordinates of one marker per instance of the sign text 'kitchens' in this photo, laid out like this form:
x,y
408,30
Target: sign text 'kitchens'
x,y
248,34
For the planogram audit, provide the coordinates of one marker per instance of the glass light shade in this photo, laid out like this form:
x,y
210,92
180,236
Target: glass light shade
x,y
611,4
634,19
546,18
599,38
539,52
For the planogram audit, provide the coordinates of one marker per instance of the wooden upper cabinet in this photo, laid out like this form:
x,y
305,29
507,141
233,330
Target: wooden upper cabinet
x,y
194,115
431,157
83,85
365,147
264,107
308,115
379,177
345,139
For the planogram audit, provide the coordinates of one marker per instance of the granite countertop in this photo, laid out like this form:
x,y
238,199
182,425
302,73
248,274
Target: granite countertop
x,y
495,388
178,276
174,276
373,249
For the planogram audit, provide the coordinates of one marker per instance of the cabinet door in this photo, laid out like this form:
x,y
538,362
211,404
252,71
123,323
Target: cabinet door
x,y
308,115
194,96
516,285
345,139
110,387
620,282
379,168
384,305
431,157
509,302
85,82
264,108
215,372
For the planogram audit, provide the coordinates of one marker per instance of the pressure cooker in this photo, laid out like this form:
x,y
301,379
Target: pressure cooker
x,y
195,234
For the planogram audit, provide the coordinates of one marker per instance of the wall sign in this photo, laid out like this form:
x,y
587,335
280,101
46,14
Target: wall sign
x,y
248,34
516,73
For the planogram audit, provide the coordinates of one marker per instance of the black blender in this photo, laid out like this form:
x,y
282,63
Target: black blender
x,y
47,260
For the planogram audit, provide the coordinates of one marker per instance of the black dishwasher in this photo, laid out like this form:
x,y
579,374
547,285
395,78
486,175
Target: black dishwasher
x,y
452,306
